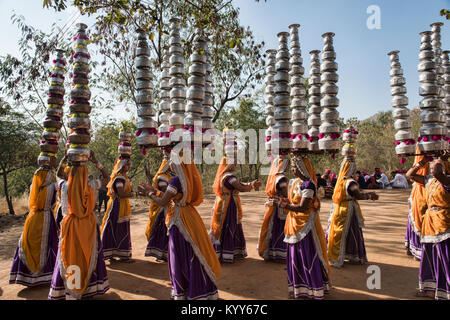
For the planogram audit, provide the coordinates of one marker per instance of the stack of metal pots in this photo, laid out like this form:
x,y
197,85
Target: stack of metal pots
x,y
329,130
436,43
208,101
53,121
446,100
315,108
349,150
196,89
404,138
147,134
269,81
299,133
164,105
432,134
281,137
124,148
80,108
177,82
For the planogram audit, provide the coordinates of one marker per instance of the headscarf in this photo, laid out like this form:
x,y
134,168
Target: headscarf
x,y
115,173
224,167
303,164
32,232
78,230
279,166
347,170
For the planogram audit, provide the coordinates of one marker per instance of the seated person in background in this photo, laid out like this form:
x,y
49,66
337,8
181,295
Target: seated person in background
x,y
383,181
333,178
377,174
360,179
321,182
372,183
399,181
327,176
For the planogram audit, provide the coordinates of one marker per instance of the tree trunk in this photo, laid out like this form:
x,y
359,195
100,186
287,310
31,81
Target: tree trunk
x,y
148,173
8,198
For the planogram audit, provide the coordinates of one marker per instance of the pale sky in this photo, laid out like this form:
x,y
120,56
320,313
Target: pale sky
x,y
361,53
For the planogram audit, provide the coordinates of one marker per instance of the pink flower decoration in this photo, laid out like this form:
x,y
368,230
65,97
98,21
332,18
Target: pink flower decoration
x,y
172,128
425,139
310,139
397,143
138,133
407,142
321,135
144,151
402,160
347,131
333,156
268,139
191,129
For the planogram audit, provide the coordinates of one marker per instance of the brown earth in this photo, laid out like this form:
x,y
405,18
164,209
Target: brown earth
x,y
252,278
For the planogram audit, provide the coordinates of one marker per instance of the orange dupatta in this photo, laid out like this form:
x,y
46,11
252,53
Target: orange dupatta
x,y
31,241
154,208
125,208
279,166
191,222
296,221
418,194
78,229
223,198
340,211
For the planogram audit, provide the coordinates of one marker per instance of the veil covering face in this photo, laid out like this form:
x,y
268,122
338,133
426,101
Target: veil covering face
x,y
418,193
303,164
79,228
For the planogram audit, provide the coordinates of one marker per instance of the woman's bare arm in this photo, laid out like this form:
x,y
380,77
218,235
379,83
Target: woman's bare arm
x,y
412,173
304,205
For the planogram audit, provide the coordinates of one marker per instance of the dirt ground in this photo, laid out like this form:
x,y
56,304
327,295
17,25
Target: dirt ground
x,y
251,278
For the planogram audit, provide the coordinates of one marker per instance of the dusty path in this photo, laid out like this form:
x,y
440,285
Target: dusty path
x,y
253,278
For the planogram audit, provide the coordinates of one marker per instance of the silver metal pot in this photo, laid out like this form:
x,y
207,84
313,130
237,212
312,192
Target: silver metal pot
x,y
80,123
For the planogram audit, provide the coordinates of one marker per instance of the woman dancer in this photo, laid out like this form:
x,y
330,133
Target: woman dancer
x,y
307,263
156,231
193,264
80,270
35,255
115,231
226,232
417,208
271,245
345,236
434,273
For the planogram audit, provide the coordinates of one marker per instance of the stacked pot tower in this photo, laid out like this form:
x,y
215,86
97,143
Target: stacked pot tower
x,y
446,100
299,133
432,133
404,138
208,101
315,109
147,133
281,135
53,121
196,89
80,108
269,81
177,82
164,105
329,130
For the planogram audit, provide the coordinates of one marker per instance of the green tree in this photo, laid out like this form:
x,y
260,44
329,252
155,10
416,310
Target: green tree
x,y
19,148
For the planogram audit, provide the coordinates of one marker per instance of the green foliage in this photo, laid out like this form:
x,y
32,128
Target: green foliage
x,y
446,13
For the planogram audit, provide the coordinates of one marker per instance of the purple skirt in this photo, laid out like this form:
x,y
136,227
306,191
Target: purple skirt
x,y
355,249
412,240
232,241
277,248
159,240
98,283
306,274
189,278
116,238
434,273
20,274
